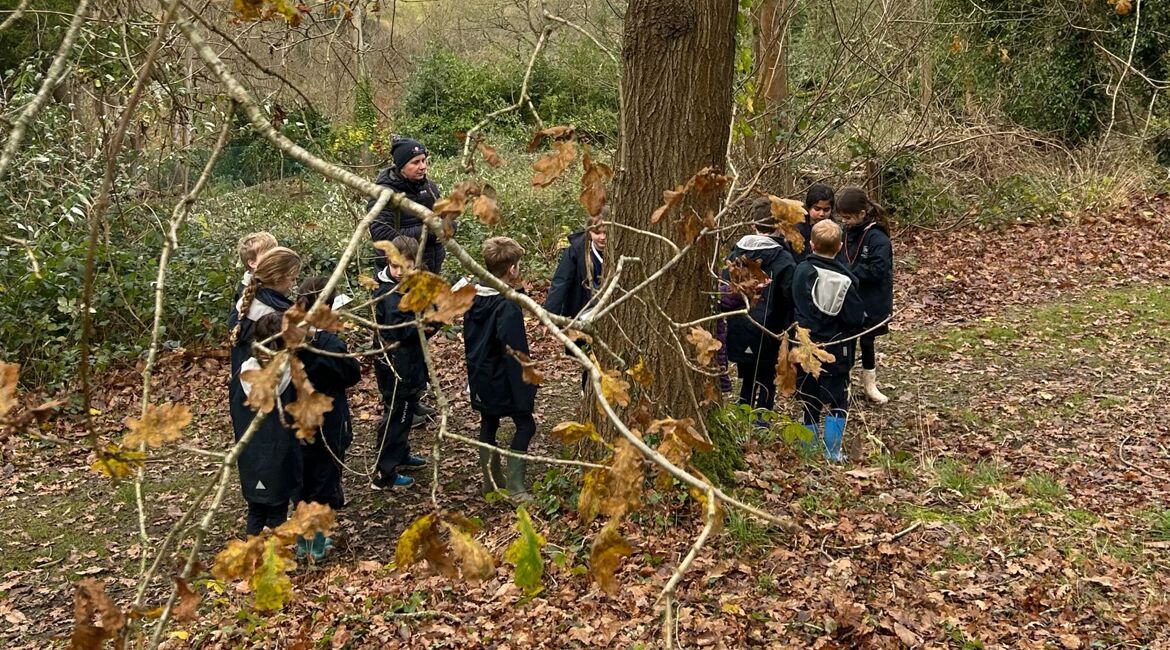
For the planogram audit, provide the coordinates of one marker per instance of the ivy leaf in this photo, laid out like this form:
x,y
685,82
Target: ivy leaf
x,y
609,547
270,583
90,600
474,560
490,156
117,462
640,373
705,345
157,426
570,433
9,373
524,554
785,369
485,208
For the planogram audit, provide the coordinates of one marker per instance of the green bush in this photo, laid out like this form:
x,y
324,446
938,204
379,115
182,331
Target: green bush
x,y
446,94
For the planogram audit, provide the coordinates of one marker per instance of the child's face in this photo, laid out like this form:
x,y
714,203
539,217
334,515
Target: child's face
x,y
396,270
847,219
285,285
820,210
597,236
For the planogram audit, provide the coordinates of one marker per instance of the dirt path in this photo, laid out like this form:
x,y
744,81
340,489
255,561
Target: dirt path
x,y
1013,493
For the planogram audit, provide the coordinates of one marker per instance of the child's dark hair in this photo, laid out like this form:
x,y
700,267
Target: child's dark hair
x,y
851,200
310,289
408,246
816,193
761,215
268,326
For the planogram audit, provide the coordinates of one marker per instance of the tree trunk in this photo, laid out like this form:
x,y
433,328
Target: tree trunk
x,y
770,50
676,113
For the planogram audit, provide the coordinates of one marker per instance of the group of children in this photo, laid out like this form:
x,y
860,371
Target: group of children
x,y
838,286
276,469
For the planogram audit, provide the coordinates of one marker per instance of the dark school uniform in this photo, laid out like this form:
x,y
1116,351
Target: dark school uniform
x,y
573,283
491,326
827,303
866,251
746,342
270,464
321,460
234,311
266,301
401,373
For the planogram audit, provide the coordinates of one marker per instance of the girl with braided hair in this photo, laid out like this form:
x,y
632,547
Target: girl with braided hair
x,y
266,293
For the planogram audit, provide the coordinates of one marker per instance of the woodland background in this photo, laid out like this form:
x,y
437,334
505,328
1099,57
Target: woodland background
x,y
1012,495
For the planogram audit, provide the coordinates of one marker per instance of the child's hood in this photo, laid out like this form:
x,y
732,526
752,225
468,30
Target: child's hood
x,y
757,243
253,364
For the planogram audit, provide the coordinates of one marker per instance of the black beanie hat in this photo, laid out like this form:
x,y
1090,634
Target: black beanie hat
x,y
404,150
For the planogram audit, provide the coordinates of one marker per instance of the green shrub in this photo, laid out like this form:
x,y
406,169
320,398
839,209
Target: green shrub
x,y
446,94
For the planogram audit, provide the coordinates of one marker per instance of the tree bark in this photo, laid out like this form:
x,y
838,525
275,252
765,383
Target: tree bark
x,y
675,117
770,49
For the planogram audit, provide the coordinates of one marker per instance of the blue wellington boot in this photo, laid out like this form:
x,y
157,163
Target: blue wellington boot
x,y
834,434
319,546
303,547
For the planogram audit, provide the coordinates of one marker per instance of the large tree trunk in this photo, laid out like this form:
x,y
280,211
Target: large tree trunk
x,y
675,118
770,49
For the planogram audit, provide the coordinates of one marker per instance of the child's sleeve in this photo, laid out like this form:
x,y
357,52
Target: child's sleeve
x,y
510,332
877,267
853,312
563,277
389,314
323,370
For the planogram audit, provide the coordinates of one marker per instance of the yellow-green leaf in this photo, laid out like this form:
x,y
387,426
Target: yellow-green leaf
x,y
524,554
270,583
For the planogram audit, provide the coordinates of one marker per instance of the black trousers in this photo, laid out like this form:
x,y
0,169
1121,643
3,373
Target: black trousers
x,y
321,474
262,515
393,435
868,355
759,383
489,425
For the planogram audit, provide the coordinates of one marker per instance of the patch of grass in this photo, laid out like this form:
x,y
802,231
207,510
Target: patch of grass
x,y
1044,487
1082,517
1159,525
745,532
967,480
900,463
968,521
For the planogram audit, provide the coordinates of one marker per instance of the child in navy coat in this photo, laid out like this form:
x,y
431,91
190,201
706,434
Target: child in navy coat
x,y
401,372
818,205
867,252
330,375
492,329
270,464
266,292
751,344
827,303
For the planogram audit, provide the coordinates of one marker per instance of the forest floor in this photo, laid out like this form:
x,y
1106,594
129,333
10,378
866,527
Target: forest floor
x,y
1012,494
